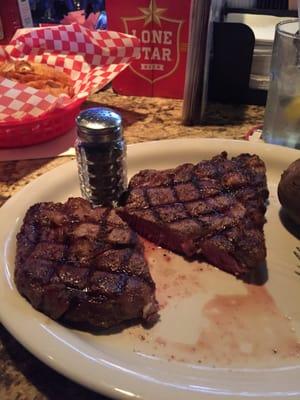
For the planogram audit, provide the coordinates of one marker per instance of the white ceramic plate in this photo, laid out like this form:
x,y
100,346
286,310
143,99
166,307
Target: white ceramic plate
x,y
218,337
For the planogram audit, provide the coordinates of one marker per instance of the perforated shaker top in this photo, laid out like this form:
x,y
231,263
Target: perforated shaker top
x,y
99,124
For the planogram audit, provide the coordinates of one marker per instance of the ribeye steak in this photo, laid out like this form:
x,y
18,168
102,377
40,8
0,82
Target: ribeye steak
x,y
82,264
213,209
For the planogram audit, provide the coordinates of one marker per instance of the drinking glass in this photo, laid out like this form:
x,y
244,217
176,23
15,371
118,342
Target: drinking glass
x,y
282,116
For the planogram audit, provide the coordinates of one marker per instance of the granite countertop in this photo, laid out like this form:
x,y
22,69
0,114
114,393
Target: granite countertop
x,y
22,376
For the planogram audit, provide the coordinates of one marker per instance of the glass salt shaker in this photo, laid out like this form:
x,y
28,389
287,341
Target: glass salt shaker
x,y
101,156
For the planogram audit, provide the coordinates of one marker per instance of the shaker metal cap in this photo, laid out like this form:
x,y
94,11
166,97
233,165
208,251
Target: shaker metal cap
x,y
98,124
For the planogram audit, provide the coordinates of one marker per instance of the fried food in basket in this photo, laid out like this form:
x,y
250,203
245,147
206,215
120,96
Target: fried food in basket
x,y
38,76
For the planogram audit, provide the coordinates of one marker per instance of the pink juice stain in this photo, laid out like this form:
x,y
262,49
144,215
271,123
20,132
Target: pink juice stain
x,y
245,329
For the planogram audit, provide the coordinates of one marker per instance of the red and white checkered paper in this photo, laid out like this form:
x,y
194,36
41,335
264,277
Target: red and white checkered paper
x,y
91,58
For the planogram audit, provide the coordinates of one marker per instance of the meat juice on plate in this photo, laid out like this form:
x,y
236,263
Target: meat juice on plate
x,y
210,317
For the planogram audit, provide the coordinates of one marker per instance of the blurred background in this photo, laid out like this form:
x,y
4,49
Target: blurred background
x,y
54,10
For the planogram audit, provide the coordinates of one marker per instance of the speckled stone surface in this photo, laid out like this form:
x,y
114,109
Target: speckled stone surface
x,y
22,376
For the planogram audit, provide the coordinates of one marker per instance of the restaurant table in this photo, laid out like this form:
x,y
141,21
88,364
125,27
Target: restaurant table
x,y
24,377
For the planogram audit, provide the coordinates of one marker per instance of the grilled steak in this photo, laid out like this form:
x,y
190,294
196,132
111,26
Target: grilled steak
x,y
84,265
213,209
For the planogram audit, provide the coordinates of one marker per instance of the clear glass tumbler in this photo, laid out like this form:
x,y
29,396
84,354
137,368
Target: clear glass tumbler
x,y
282,116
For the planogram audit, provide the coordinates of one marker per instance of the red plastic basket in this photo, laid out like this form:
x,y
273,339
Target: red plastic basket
x,y
37,130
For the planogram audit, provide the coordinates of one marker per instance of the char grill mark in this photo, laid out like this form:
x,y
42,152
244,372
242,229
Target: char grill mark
x,y
215,208
83,264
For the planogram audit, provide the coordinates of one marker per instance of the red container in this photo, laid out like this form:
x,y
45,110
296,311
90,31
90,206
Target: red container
x,y
163,28
10,20
31,131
